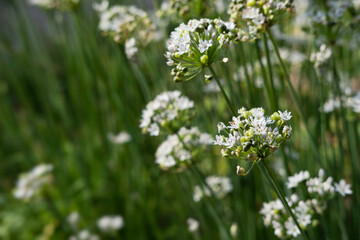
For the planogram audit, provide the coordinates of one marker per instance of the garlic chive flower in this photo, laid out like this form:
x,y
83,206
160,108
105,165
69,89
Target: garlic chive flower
x,y
168,112
193,224
320,58
198,44
320,191
252,135
220,186
180,150
56,4
255,16
32,182
127,25
110,223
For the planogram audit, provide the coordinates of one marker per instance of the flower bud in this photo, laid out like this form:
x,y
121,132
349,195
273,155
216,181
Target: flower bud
x,y
204,59
240,170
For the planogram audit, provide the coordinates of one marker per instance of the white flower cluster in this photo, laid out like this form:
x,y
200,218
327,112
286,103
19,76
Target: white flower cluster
x,y
351,101
198,44
85,235
125,24
110,223
320,191
252,135
321,57
168,111
31,183
73,220
334,12
59,4
179,153
257,15
220,186
193,224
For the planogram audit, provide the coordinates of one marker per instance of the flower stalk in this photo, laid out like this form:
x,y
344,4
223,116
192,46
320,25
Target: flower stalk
x,y
271,178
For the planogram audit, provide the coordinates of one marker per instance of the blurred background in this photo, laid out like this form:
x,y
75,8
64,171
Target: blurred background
x,y
67,91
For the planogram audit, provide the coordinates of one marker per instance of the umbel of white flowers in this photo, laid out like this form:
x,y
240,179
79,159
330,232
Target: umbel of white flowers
x,y
110,223
319,189
198,44
180,150
32,182
125,24
253,136
255,16
168,112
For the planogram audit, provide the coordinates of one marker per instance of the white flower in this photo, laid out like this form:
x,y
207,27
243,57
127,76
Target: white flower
x,y
291,228
73,219
293,181
204,45
259,126
193,225
319,58
30,183
219,185
110,223
121,138
130,48
221,126
343,188
285,115
173,153
167,109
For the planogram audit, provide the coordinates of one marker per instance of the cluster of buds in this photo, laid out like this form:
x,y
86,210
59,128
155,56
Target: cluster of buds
x,y
257,15
56,4
168,112
252,135
179,150
319,189
31,183
198,44
125,24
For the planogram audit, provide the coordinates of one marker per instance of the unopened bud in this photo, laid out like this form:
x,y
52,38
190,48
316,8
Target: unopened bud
x,y
240,170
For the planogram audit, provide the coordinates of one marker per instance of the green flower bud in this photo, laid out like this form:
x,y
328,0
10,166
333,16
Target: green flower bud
x,y
275,116
204,59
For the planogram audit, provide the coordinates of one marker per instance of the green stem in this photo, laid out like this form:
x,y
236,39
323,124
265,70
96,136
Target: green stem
x,y
294,96
222,90
271,178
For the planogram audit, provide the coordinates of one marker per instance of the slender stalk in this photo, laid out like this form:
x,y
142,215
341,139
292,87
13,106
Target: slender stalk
x,y
294,96
222,90
271,178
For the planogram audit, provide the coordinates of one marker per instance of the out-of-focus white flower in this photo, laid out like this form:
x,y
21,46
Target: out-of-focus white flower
x,y
193,225
168,111
124,23
30,183
73,219
130,48
122,137
180,153
343,188
294,180
85,235
220,186
110,223
291,228
319,58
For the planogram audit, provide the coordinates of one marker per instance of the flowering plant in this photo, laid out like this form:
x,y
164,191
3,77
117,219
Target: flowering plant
x,y
168,112
252,135
198,44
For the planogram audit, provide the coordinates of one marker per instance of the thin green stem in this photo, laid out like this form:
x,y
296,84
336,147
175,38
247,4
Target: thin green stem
x,y
222,91
294,96
271,178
